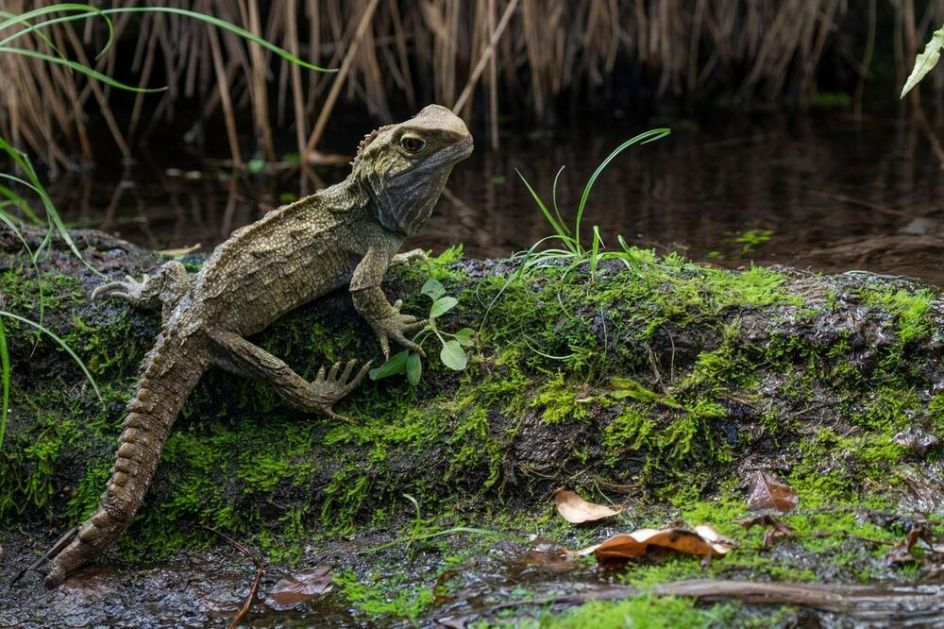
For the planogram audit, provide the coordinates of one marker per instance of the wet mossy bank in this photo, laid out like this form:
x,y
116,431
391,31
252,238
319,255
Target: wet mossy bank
x,y
657,384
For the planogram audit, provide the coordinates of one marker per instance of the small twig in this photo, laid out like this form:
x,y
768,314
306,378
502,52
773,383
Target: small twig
x,y
260,570
452,531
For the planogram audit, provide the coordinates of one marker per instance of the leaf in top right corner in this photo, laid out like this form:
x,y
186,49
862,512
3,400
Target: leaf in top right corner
x,y
925,61
769,493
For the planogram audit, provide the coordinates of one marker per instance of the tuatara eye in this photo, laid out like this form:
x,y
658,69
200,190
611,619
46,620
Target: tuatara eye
x,y
412,144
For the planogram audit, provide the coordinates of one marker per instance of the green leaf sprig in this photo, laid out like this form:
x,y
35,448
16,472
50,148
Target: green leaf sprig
x,y
453,344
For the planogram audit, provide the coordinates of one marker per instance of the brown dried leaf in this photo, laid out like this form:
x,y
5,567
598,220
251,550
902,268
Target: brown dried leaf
x,y
545,558
298,588
902,551
704,541
576,510
769,493
776,528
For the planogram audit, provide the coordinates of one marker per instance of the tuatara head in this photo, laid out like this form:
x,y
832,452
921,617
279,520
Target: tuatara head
x,y
404,167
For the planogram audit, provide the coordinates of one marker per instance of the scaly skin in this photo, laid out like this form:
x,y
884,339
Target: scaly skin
x,y
348,234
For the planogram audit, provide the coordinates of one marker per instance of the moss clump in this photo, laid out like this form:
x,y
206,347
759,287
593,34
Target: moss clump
x,y
641,611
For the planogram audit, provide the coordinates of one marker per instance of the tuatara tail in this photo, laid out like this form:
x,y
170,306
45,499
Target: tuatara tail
x,y
173,368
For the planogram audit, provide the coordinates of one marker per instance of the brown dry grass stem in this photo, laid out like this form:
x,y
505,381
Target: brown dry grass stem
x,y
394,52
257,579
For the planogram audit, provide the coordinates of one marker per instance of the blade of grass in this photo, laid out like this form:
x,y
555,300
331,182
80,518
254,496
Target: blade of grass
x,y
78,67
61,343
560,230
223,24
5,378
52,215
554,200
59,20
642,138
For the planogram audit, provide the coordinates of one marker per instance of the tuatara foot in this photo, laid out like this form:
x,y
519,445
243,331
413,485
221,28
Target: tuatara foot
x,y
130,290
408,256
396,327
333,386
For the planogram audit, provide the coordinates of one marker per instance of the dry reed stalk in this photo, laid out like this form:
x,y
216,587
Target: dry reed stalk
x,y
492,83
222,83
485,58
338,81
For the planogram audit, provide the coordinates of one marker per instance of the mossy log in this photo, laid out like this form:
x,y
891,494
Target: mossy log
x,y
645,379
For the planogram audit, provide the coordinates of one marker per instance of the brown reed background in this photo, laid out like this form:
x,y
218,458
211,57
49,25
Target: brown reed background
x,y
489,54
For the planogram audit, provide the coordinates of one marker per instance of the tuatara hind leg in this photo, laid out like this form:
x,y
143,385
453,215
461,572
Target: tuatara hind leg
x,y
237,355
163,289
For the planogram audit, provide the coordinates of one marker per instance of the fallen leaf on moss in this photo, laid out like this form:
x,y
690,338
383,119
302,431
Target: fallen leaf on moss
x,y
545,557
298,588
704,541
576,510
776,528
769,493
918,547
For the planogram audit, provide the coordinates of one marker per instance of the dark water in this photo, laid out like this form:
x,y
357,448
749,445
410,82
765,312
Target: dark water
x,y
818,191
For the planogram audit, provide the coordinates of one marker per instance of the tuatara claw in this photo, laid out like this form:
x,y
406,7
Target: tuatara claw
x,y
332,386
396,327
129,289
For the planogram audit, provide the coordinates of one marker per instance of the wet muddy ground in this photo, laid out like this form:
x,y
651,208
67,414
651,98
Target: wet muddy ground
x,y
457,583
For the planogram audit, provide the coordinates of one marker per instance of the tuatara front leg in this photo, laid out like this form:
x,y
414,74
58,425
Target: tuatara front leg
x,y
384,318
408,256
163,289
239,356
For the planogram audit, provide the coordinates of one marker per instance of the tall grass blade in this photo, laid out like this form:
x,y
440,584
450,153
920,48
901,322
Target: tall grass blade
x,y
554,200
227,26
643,138
560,230
87,11
5,378
61,343
78,67
52,215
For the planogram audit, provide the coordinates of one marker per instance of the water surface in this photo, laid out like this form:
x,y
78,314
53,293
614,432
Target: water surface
x,y
817,191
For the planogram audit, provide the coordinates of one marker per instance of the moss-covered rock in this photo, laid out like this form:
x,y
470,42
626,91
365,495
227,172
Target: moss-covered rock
x,y
655,382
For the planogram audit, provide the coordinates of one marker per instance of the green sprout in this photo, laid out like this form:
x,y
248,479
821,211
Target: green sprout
x,y
452,353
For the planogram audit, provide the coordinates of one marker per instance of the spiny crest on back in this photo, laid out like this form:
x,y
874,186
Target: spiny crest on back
x,y
367,139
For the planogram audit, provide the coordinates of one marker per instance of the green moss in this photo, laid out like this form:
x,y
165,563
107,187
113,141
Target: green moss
x,y
911,309
641,611
559,401
383,596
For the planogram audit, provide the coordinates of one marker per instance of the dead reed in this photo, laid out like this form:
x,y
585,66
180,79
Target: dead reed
x,y
490,54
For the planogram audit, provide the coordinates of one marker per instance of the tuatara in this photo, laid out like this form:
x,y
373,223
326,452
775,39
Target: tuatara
x,y
348,234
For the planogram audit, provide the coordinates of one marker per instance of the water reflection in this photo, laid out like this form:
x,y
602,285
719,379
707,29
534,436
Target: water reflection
x,y
832,194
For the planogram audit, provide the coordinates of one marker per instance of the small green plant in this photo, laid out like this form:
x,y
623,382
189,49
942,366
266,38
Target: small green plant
x,y
452,353
570,246
752,239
